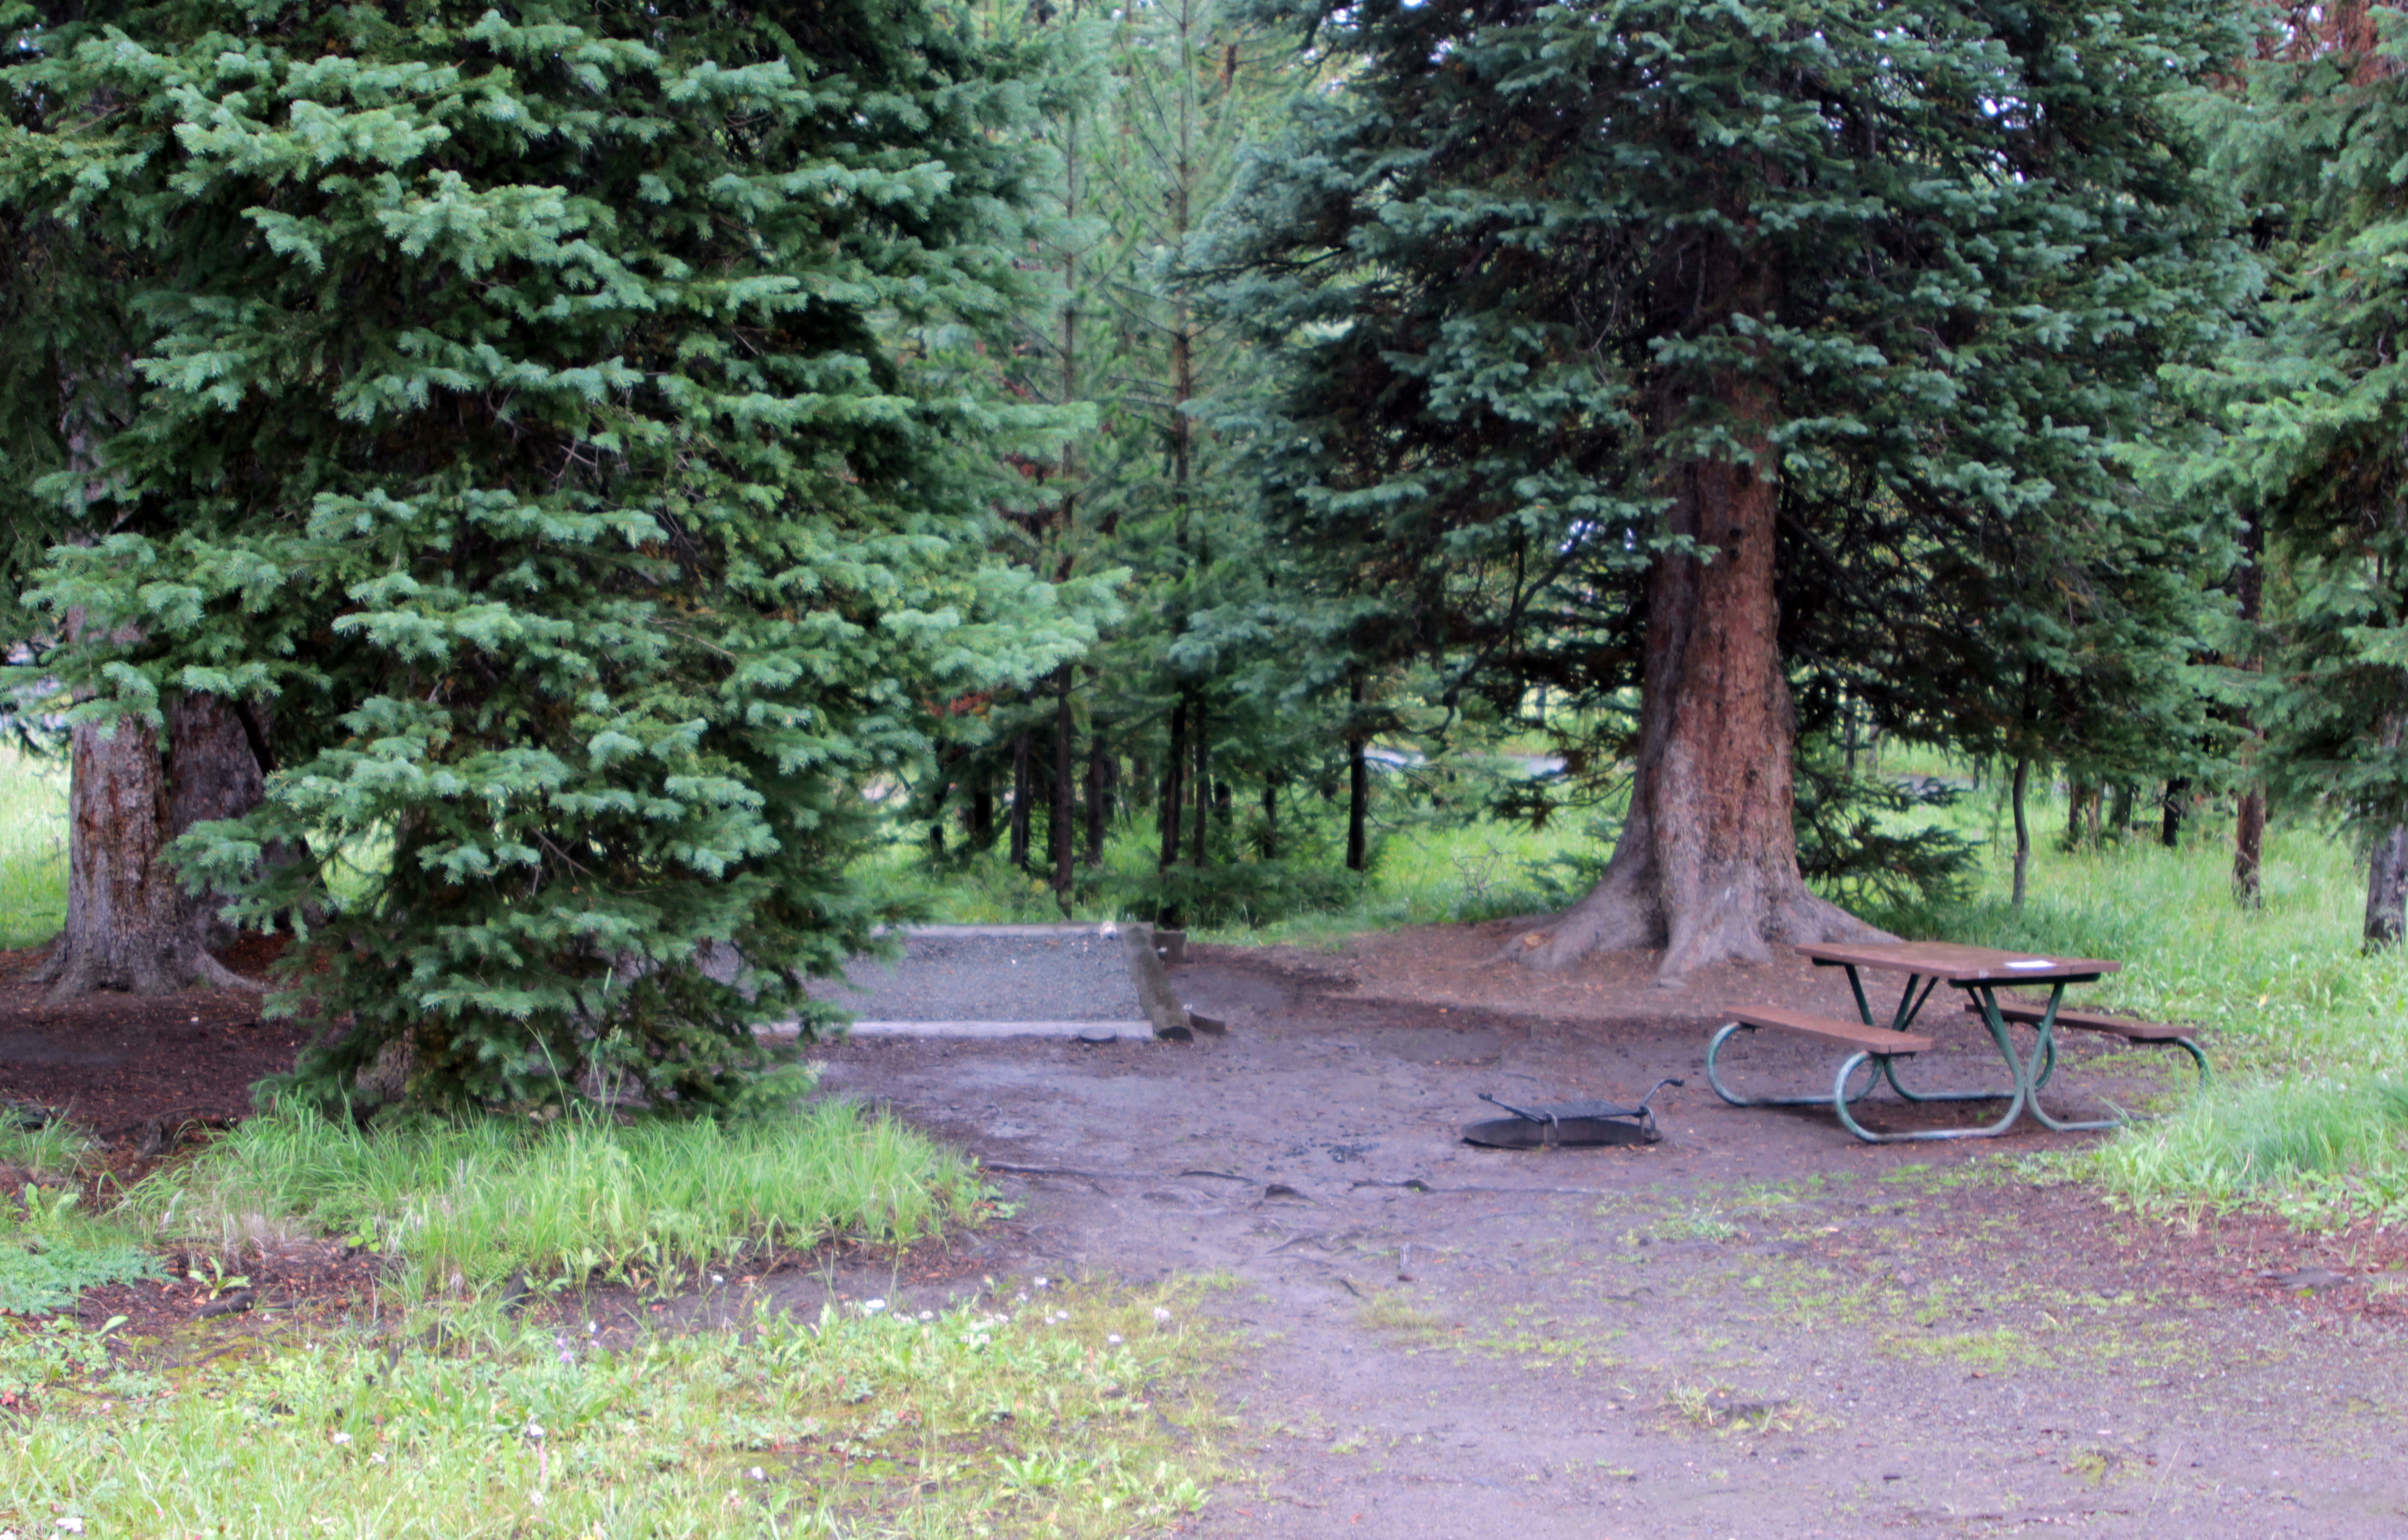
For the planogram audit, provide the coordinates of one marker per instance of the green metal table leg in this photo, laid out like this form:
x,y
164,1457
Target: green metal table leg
x,y
2048,1066
2046,1045
1840,1102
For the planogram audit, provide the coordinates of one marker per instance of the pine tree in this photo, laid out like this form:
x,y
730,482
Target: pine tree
x,y
579,425
1606,327
2314,401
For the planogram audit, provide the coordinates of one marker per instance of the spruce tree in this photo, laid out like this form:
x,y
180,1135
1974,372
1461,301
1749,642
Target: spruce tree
x,y
579,424
2314,402
1604,327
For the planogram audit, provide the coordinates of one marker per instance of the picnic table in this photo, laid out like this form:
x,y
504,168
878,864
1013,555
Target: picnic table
x,y
1980,972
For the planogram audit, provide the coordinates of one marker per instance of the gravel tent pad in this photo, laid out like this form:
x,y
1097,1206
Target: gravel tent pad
x,y
1013,981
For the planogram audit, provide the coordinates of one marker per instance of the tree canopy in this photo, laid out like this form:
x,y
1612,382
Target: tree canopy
x,y
575,423
1748,353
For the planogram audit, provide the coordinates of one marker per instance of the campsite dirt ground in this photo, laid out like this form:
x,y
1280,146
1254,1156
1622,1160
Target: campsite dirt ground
x,y
1760,1327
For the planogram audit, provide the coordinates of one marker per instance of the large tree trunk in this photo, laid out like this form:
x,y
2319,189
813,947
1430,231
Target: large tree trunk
x,y
130,925
1707,865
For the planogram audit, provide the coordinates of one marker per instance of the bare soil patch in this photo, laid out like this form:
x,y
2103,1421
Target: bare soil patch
x,y
1760,1327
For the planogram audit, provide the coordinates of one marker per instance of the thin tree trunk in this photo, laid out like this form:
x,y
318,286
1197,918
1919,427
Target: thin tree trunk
x,y
2119,811
1099,798
1358,787
1062,827
1174,766
981,818
2171,816
1021,796
1271,815
2387,889
2249,846
1201,787
2249,819
2023,828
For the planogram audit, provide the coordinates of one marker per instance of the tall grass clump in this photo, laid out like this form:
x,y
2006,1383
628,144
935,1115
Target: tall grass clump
x,y
472,1201
2320,1152
32,847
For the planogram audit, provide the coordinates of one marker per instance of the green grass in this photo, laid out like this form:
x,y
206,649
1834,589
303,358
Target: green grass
x,y
50,1253
32,848
56,1151
1427,872
652,1204
1074,1416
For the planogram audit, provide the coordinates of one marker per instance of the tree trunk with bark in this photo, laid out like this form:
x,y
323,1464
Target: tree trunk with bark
x,y
2387,889
2023,828
1021,790
2249,821
1061,829
2248,845
1707,865
2169,823
1358,789
1098,794
130,925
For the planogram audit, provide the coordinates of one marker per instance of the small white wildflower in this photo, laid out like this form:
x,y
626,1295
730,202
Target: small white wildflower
x,y
376,1460
927,1315
718,1278
871,1307
1038,1282
590,1329
342,1438
759,1475
1115,1339
1022,1299
534,1430
1160,1313
72,1525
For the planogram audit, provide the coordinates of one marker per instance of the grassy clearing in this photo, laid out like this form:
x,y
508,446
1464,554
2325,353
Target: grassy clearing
x,y
1072,1415
32,848
652,1203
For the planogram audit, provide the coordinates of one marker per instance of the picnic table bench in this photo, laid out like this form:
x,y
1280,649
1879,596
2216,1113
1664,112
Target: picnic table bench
x,y
1879,1049
2128,1027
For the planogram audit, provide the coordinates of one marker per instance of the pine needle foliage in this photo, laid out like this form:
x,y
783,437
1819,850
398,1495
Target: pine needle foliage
x,y
566,429
1528,260
2314,397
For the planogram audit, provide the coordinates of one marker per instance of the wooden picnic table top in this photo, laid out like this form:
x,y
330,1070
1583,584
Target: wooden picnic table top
x,y
1960,965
